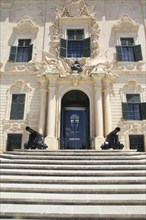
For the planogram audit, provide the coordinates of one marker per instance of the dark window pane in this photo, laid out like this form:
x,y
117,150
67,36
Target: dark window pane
x,y
17,107
13,53
75,34
87,47
137,142
14,141
24,53
128,54
75,48
127,41
143,111
71,34
119,53
79,34
138,53
24,42
133,98
63,47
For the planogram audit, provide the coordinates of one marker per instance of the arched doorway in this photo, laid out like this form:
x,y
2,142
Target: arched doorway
x,y
75,132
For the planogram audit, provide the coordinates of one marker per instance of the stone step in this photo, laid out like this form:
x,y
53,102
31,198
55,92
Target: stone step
x,y
73,157
73,212
75,152
74,162
73,198
89,173
72,166
73,188
74,179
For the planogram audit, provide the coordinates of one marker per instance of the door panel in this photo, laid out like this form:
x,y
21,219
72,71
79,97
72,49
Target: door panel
x,y
74,128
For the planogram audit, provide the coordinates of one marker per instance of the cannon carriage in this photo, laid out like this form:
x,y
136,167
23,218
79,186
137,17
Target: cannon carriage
x,y
35,140
112,141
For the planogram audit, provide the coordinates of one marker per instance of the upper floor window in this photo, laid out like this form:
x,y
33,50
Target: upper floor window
x,y
17,107
22,52
75,46
128,51
133,109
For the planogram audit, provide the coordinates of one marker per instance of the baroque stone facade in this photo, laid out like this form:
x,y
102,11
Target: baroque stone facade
x,y
41,41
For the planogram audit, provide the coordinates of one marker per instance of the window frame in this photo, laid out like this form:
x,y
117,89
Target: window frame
x,y
127,105
86,44
132,48
15,53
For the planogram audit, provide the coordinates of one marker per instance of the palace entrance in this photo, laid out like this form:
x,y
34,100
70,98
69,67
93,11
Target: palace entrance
x,y
75,132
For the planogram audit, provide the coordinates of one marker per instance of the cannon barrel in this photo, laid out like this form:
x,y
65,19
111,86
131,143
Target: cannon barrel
x,y
115,131
31,130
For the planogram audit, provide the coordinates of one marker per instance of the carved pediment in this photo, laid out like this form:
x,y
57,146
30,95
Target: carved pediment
x,y
26,23
132,86
125,22
19,86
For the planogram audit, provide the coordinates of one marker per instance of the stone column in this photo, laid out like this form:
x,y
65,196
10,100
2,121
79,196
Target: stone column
x,y
50,140
42,118
107,106
99,139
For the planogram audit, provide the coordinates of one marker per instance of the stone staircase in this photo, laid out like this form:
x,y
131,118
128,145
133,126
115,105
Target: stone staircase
x,y
75,185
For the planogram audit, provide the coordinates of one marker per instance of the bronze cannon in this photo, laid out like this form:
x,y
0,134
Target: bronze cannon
x,y
112,140
35,140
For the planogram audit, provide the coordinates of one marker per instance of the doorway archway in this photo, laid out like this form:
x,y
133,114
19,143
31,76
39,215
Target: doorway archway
x,y
75,129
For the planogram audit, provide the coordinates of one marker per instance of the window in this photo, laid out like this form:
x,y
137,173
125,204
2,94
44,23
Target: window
x,y
128,51
14,141
133,109
22,52
137,142
17,107
75,46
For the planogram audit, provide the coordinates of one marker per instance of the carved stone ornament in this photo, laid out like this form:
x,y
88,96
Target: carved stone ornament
x,y
131,86
14,127
76,9
125,22
19,86
52,67
26,23
132,127
105,70
132,66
